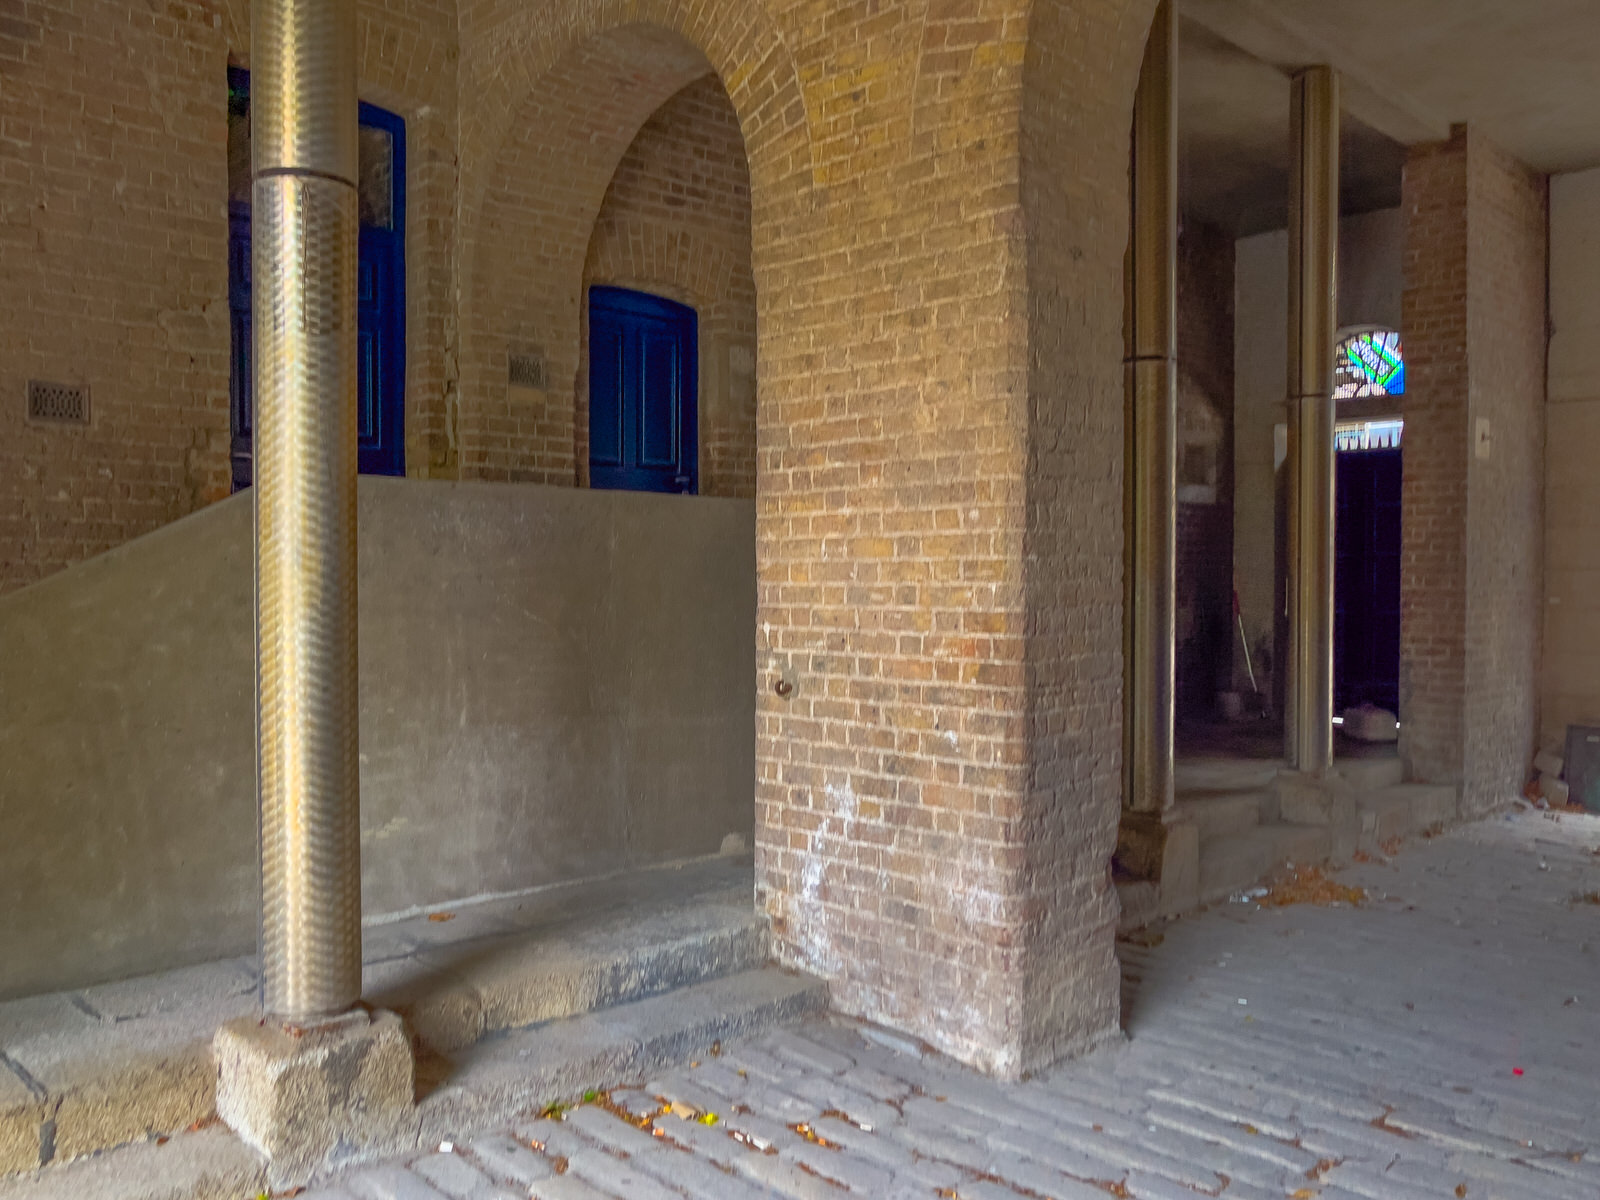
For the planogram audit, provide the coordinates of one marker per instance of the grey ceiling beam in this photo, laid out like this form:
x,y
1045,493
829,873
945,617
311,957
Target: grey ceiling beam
x,y
1260,30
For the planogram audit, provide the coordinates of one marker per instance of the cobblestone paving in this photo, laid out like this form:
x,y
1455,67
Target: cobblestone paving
x,y
1438,1042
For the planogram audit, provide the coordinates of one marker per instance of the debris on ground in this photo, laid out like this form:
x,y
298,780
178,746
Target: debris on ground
x,y
1311,885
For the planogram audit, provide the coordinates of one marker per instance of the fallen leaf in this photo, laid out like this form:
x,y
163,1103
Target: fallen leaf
x,y
1461,1191
441,916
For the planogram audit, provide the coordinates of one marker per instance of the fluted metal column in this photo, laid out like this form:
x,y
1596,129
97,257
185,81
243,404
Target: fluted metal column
x,y
304,229
1150,441
1313,303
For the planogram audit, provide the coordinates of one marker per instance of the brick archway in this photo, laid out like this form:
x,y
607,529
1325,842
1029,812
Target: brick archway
x,y
939,222
559,95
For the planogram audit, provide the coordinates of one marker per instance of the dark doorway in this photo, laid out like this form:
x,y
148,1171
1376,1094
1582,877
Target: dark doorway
x,y
643,392
1366,632
380,288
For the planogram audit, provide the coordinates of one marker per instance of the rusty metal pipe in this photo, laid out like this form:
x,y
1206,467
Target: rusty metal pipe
x,y
304,275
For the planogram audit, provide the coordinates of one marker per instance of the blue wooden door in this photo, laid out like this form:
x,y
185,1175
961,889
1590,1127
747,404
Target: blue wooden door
x,y
380,292
643,392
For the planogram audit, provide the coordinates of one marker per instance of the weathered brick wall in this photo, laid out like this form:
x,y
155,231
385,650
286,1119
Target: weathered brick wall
x,y
1204,595
1507,335
676,222
113,273
113,232
1433,516
1472,525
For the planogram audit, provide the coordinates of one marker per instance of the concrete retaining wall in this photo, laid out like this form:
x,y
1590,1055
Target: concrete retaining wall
x,y
554,684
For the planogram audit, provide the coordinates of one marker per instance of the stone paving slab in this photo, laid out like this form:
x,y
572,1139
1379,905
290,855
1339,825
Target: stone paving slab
x,y
1438,1042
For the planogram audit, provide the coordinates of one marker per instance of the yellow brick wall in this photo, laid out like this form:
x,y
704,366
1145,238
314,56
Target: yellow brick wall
x,y
113,273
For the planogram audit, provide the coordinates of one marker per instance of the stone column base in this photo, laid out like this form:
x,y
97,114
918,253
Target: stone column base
x,y
313,1099
1328,799
1163,848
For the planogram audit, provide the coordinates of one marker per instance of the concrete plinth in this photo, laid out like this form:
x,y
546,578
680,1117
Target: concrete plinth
x,y
318,1098
1327,799
1163,848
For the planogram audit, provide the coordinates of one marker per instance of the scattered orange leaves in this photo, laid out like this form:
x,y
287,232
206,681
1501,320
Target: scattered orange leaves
x,y
812,1136
441,916
1311,885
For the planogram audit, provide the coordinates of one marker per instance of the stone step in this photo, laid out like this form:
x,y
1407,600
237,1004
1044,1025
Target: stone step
x,y
1224,774
1402,810
1216,813
1232,862
1371,774
502,1077
85,1071
452,996
206,1164
525,1069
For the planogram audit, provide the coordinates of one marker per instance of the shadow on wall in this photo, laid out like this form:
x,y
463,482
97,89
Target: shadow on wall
x,y
554,684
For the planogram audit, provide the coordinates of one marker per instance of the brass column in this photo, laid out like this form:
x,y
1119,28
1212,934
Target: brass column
x,y
1150,441
1313,284
304,228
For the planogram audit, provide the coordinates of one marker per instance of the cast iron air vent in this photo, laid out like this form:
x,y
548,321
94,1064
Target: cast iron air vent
x,y
67,403
527,370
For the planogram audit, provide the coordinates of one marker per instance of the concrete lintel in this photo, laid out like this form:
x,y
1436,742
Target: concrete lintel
x,y
1258,29
319,1098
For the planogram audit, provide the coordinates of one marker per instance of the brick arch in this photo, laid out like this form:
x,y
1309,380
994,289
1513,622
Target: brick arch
x,y
510,49
674,262
568,90
676,222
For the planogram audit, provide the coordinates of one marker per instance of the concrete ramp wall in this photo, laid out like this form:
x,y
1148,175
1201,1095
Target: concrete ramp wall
x,y
555,684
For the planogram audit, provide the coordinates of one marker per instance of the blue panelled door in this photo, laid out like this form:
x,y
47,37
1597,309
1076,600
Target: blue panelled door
x,y
643,392
380,294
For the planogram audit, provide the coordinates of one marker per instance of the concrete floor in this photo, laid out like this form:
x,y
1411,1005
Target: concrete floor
x,y
1438,1042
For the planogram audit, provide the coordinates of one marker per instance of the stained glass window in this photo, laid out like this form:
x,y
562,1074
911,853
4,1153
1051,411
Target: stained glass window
x,y
1368,435
1369,363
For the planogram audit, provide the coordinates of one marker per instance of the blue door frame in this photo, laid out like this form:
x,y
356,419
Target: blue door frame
x,y
380,319
643,392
